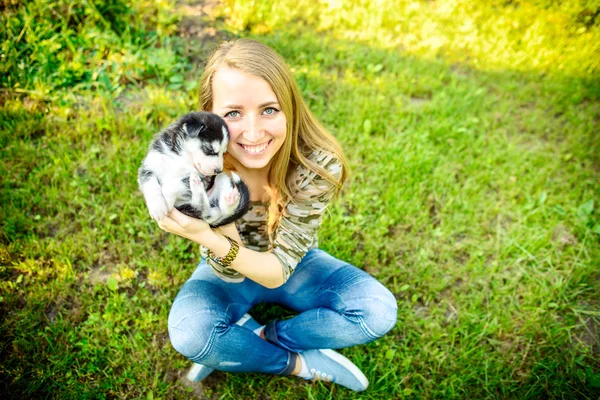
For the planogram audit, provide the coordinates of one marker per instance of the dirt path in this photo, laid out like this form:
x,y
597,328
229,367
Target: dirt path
x,y
198,21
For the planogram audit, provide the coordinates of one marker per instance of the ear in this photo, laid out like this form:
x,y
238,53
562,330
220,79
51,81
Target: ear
x,y
173,134
225,131
195,130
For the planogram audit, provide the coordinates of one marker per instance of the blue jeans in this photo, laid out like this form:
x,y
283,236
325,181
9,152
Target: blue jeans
x,y
339,305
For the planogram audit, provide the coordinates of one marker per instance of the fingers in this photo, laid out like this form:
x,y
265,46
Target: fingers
x,y
178,217
169,225
182,225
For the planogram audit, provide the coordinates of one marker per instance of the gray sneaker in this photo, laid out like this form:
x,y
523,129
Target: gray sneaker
x,y
331,366
198,371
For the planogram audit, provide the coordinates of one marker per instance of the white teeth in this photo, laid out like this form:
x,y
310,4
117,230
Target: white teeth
x,y
255,149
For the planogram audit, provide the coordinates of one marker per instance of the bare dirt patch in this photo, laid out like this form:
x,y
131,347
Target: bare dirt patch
x,y
98,275
591,336
563,237
198,21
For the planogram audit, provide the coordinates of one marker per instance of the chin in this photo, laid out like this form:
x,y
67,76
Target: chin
x,y
254,164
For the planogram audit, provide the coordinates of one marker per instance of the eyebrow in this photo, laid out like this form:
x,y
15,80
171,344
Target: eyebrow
x,y
268,103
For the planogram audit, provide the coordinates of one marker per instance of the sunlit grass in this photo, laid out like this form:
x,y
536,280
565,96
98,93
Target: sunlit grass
x,y
542,36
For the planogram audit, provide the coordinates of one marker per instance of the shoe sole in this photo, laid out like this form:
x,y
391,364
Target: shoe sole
x,y
349,365
244,319
198,372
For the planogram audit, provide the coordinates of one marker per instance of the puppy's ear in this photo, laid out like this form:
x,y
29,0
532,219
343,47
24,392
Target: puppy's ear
x,y
174,136
194,130
225,131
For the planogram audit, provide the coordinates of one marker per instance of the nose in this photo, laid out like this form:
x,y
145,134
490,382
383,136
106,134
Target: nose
x,y
218,171
253,130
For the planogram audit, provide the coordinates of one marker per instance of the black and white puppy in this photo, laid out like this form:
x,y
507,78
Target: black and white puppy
x,y
183,169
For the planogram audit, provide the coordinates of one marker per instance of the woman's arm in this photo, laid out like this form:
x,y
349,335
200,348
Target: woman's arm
x,y
231,231
263,268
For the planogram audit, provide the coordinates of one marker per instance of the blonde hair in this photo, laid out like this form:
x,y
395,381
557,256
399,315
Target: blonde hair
x,y
304,134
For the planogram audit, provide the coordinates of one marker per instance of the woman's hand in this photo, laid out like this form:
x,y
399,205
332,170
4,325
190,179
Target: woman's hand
x,y
191,228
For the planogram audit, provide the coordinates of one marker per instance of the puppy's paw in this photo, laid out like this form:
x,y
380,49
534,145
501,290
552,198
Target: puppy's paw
x,y
158,209
195,180
232,198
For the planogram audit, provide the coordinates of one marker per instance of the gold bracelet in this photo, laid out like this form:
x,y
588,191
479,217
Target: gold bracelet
x,y
228,259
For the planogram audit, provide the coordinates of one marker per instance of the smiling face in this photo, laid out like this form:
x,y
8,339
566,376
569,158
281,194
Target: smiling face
x,y
257,126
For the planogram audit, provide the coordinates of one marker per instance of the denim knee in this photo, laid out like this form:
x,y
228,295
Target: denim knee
x,y
193,327
377,312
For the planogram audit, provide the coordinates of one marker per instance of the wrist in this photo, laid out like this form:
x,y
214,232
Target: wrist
x,y
218,245
207,238
225,261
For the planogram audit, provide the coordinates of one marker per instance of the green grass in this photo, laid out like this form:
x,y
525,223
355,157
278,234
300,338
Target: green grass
x,y
472,133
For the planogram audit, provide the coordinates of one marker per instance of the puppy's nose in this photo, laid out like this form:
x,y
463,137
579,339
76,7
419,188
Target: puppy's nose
x,y
218,171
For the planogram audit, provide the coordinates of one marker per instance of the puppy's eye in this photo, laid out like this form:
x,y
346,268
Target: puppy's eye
x,y
209,151
232,114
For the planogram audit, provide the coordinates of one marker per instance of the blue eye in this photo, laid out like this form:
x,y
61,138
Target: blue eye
x,y
270,111
231,114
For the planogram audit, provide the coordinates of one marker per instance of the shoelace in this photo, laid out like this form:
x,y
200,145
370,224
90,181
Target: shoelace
x,y
320,376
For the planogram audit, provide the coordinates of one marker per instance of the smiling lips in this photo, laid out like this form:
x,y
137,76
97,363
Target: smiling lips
x,y
255,149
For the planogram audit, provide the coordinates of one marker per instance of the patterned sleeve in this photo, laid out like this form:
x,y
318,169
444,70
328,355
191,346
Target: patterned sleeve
x,y
297,230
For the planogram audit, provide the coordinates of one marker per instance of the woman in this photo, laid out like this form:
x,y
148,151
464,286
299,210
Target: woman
x,y
293,168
